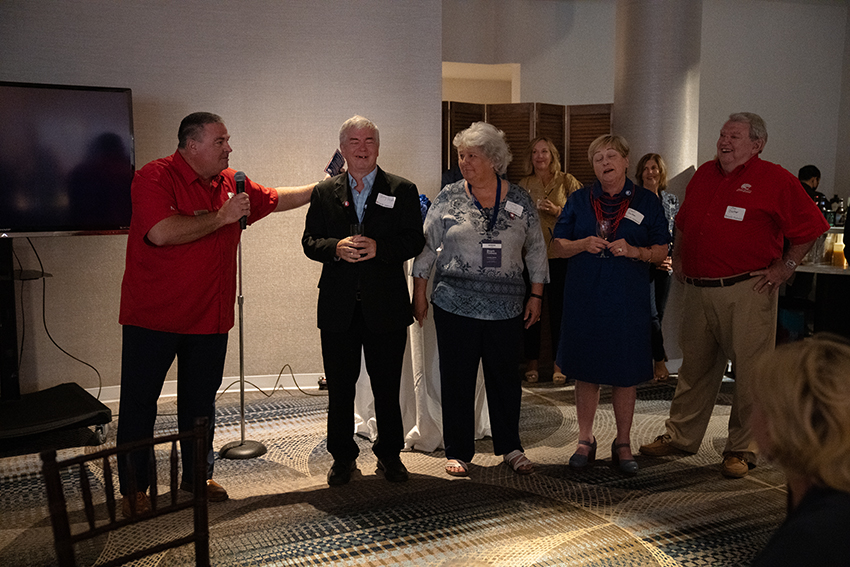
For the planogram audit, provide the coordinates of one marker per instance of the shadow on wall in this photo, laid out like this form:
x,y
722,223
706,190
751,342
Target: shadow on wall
x,y
672,322
679,182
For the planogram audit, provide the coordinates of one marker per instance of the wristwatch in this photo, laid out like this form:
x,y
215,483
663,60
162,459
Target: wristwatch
x,y
790,263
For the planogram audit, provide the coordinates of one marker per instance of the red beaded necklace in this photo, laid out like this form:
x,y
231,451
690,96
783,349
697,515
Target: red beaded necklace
x,y
611,208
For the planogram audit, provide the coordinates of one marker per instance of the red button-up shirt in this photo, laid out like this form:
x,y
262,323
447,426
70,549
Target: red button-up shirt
x,y
186,288
735,223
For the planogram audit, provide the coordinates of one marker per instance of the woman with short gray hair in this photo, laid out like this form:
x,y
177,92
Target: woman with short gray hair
x,y
475,233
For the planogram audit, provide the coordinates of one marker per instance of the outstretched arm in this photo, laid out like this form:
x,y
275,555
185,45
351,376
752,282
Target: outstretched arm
x,y
293,197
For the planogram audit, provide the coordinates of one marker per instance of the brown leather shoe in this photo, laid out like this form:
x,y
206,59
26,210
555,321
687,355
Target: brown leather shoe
x,y
734,465
215,491
661,447
143,505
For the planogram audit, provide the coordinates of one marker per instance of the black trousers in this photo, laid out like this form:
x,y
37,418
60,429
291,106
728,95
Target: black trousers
x,y
146,356
463,343
659,289
384,354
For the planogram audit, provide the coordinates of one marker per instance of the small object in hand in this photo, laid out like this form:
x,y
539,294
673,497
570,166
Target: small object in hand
x,y
335,165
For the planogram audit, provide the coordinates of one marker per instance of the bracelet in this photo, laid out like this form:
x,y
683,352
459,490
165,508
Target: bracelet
x,y
540,297
791,263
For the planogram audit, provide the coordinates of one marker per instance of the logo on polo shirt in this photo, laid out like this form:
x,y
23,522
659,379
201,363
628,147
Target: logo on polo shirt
x,y
745,188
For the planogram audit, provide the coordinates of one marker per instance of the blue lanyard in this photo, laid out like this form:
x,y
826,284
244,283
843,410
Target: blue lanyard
x,y
495,207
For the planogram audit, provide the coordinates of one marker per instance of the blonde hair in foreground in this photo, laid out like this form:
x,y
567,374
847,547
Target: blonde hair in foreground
x,y
803,390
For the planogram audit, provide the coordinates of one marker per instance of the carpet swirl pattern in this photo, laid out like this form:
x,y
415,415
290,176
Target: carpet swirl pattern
x,y
678,511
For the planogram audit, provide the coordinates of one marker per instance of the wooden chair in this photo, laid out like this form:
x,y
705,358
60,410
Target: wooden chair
x,y
65,541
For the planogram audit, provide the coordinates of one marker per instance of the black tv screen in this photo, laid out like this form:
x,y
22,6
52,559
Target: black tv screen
x,y
66,159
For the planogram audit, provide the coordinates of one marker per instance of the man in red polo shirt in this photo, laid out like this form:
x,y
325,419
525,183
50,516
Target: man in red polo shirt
x,y
729,251
179,287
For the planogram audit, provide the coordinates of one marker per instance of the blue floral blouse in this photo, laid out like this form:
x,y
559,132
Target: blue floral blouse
x,y
456,232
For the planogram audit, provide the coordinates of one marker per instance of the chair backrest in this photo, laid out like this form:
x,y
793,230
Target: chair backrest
x,y
105,493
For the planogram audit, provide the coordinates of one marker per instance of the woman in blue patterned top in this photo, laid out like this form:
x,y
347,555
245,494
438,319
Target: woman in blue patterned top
x,y
651,174
475,233
611,231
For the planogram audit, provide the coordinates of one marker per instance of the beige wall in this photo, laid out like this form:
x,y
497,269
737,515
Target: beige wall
x,y
284,76
480,91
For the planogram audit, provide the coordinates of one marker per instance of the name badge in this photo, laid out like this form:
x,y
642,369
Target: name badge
x,y
634,216
386,201
514,208
491,253
734,213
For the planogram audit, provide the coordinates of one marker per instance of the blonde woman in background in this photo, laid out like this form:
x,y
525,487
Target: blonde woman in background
x,y
549,188
801,422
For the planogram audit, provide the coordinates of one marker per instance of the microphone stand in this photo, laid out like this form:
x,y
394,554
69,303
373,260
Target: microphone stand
x,y
241,449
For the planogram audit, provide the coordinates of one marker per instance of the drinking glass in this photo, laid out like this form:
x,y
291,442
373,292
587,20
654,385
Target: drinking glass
x,y
356,229
603,231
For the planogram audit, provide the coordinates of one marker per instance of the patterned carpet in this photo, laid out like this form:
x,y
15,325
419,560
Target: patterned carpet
x,y
678,511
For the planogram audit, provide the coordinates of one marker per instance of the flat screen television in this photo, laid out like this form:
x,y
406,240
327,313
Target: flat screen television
x,y
67,159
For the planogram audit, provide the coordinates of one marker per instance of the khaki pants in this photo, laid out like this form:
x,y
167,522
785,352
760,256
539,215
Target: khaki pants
x,y
719,324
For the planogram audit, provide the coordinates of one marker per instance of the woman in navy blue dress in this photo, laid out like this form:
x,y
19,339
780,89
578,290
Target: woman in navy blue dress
x,y
611,231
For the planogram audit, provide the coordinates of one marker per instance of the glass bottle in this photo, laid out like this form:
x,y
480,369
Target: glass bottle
x,y
825,208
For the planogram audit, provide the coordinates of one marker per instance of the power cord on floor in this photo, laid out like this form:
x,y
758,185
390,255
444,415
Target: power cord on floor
x,y
275,386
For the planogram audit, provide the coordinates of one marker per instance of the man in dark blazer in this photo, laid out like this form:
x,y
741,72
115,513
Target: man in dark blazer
x,y
363,225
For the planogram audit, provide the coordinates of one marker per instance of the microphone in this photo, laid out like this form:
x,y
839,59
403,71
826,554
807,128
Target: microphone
x,y
240,188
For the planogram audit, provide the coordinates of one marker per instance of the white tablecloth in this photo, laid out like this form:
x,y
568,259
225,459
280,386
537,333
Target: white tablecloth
x,y
419,396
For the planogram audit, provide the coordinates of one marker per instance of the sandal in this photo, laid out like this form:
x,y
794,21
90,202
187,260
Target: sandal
x,y
457,464
532,376
661,372
517,460
559,378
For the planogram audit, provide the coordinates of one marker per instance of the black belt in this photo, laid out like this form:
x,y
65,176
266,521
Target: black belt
x,y
717,282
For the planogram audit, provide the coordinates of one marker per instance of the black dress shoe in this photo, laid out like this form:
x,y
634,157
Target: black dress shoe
x,y
340,472
394,469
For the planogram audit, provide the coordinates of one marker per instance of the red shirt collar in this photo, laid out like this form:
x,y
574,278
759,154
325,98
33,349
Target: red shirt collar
x,y
738,169
188,174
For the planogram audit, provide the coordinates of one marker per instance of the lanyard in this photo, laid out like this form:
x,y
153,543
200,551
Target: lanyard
x,y
495,207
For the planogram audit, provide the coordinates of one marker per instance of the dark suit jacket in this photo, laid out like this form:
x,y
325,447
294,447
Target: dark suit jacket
x,y
382,282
